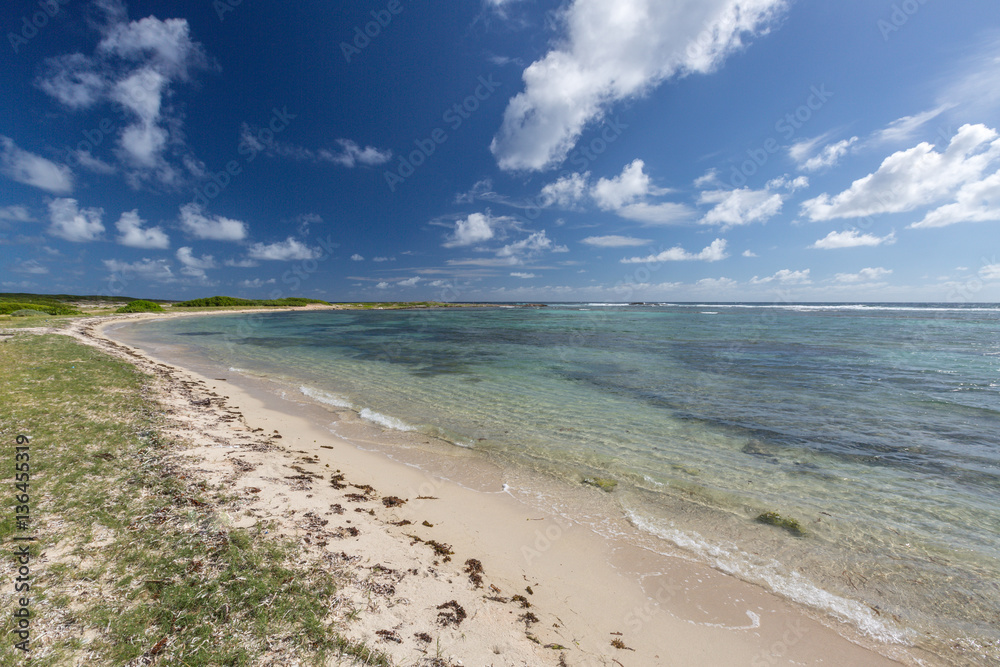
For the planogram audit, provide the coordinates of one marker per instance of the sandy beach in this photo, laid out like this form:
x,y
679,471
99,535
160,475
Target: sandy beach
x,y
451,566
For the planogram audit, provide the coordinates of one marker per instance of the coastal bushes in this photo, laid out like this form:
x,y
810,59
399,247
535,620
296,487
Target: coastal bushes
x,y
231,301
140,306
48,308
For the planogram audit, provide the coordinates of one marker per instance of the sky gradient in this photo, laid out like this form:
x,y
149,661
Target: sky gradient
x,y
502,150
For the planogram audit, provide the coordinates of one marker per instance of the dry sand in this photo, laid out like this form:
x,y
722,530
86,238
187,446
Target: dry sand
x,y
586,594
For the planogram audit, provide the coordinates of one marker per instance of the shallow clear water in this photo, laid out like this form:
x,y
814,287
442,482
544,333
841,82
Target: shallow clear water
x,y
876,427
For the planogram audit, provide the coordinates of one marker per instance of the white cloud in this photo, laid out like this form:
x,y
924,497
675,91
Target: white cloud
x,y
216,228
257,282
91,163
614,241
147,269
357,258
566,192
828,156
383,259
24,167
15,214
134,236
615,51
134,66
974,202
784,277
284,251
869,275
749,253
905,128
241,263
532,245
410,282
476,228
912,178
72,224
739,207
627,188
348,154
383,285
665,213
851,238
709,179
712,253
192,266
716,283
990,272
519,274
31,267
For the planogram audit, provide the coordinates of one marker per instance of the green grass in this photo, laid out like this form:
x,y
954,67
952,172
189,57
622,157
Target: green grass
x,y
148,544
52,308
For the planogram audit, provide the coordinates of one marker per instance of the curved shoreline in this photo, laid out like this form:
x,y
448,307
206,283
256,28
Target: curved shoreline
x,y
670,610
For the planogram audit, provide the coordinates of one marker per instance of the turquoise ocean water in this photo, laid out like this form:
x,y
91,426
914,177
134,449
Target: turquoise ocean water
x,y
875,426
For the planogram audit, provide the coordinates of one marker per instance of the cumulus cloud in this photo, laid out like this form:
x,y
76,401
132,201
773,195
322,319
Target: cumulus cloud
x,y
409,282
712,253
71,223
135,66
382,285
257,282
519,274
743,206
628,187
215,228
476,228
851,238
616,51
357,258
133,235
749,253
614,241
19,165
869,275
193,266
978,201
626,194
532,245
990,272
827,156
146,269
288,250
784,277
566,192
911,178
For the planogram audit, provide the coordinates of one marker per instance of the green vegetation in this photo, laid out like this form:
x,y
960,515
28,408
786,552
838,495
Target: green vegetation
x,y
141,558
230,301
140,306
775,519
49,308
602,483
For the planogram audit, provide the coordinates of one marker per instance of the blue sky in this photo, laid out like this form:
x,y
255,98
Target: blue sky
x,y
502,150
